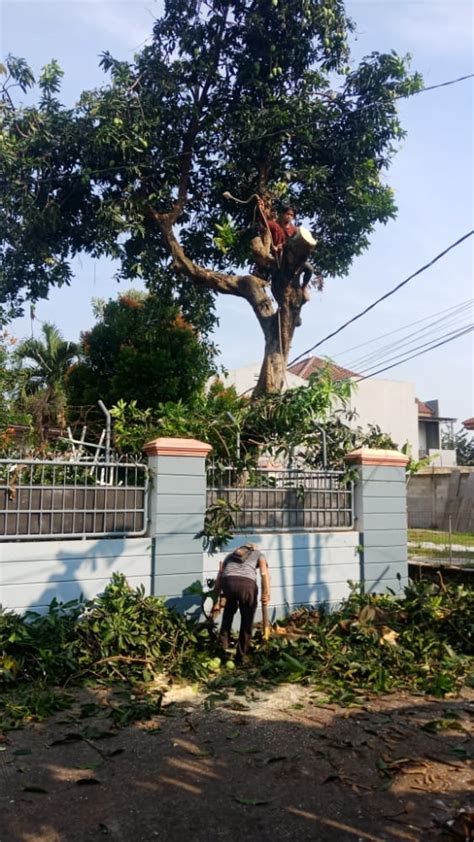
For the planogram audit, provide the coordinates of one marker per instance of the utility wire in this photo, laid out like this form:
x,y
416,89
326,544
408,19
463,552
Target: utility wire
x,y
418,354
462,304
384,297
406,342
403,344
452,333
445,84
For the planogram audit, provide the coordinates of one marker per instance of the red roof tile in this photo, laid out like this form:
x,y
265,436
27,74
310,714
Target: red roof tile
x,y
468,424
304,368
424,409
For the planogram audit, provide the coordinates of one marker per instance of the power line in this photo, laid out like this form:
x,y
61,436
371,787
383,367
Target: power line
x,y
383,297
452,333
462,304
419,354
405,342
445,84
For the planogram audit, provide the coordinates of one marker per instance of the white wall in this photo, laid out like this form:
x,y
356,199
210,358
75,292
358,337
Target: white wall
x,y
443,458
33,572
389,404
245,378
305,568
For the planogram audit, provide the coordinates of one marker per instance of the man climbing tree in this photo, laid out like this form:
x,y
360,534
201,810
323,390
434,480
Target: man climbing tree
x,y
231,99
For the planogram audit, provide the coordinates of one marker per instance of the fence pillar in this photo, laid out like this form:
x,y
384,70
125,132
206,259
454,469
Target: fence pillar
x,y
177,506
380,504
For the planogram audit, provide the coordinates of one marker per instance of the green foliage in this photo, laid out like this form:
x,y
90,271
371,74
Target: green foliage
x,y
286,425
226,237
41,369
204,417
422,641
121,635
127,635
462,443
39,647
218,525
414,465
142,349
253,97
7,380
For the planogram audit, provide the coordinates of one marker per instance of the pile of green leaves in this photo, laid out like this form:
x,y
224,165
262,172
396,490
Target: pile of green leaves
x,y
121,635
422,642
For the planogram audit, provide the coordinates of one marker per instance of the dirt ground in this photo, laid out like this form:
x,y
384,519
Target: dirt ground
x,y
280,765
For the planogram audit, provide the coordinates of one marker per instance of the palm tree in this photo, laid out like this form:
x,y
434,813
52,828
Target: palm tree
x,y
43,377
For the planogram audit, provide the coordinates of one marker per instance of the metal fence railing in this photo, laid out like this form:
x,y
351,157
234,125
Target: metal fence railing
x,y
58,499
284,500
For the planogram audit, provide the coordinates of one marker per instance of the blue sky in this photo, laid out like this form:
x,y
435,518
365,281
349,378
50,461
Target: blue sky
x,y
431,176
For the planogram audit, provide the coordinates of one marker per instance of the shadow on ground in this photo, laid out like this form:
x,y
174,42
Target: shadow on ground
x,y
276,766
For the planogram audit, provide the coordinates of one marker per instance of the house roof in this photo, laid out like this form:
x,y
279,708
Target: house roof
x,y
429,411
468,423
424,409
304,368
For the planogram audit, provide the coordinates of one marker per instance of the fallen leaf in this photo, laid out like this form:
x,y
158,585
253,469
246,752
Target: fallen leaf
x,y
233,735
88,782
90,766
249,750
68,738
38,789
388,637
251,802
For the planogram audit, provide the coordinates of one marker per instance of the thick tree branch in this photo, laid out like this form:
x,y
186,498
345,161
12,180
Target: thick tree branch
x,y
250,287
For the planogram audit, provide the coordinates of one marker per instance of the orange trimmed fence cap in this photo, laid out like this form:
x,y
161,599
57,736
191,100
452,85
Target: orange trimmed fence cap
x,y
165,446
376,456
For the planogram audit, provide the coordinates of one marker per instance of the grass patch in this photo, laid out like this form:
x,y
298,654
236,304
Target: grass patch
x,y
429,553
433,536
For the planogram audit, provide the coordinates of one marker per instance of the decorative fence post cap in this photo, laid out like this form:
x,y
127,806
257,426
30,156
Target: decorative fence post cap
x,y
165,446
377,456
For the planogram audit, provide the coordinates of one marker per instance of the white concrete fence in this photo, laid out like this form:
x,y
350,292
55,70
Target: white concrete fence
x,y
307,567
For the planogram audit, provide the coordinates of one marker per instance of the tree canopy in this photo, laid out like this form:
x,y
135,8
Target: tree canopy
x,y
141,349
232,98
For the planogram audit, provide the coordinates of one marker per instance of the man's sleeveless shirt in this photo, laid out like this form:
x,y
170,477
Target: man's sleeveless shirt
x,y
247,568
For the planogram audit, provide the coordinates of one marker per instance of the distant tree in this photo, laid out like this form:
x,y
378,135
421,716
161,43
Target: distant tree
x,y
462,443
42,367
7,378
231,98
142,350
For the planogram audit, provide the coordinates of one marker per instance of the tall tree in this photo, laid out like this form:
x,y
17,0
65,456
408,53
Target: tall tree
x,y
141,349
233,98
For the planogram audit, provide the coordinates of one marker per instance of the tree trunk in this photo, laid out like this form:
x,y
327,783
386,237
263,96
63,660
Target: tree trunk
x,y
278,335
283,274
278,329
